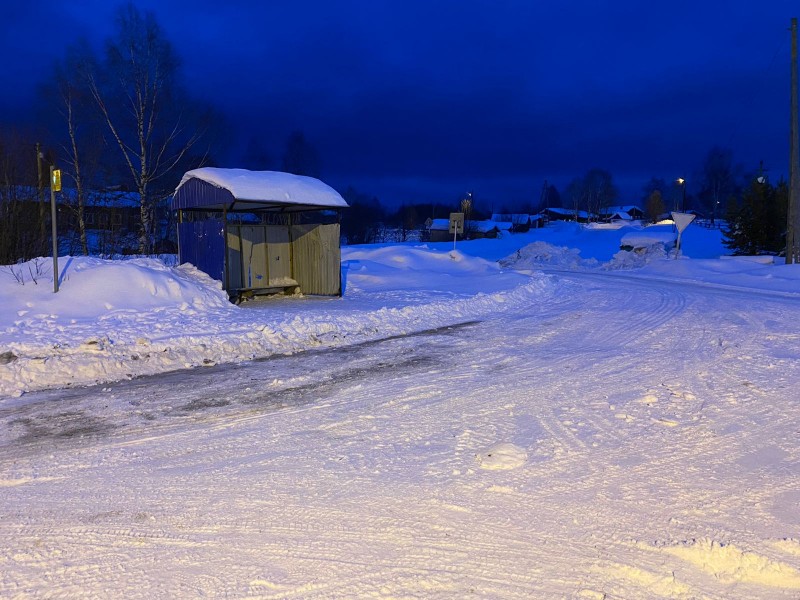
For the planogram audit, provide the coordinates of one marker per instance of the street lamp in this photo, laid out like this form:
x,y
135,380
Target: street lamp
x,y
682,183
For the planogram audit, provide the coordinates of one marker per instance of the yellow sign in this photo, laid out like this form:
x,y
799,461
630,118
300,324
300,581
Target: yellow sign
x,y
56,180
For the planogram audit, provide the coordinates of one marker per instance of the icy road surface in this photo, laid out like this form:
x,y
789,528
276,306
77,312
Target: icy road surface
x,y
627,439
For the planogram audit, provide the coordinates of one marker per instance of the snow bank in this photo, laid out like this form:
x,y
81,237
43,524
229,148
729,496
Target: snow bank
x,y
612,225
729,564
92,286
119,319
653,261
645,239
625,259
114,320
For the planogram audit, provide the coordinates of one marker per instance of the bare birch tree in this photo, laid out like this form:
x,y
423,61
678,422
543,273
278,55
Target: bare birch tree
x,y
718,179
601,191
81,143
137,92
578,194
19,223
300,156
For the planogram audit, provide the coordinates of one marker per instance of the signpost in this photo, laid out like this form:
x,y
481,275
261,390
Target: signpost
x,y
55,186
681,221
456,226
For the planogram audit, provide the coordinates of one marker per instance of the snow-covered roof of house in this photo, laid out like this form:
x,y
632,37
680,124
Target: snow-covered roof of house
x,y
515,218
610,210
624,216
487,226
567,211
213,188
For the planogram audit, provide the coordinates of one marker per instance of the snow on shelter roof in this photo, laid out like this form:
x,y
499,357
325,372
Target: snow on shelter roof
x,y
214,188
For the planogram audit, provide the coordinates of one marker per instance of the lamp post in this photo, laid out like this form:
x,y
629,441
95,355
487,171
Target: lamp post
x,y
682,183
466,208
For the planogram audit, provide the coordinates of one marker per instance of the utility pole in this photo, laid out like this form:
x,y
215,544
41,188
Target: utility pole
x,y
40,189
544,200
792,250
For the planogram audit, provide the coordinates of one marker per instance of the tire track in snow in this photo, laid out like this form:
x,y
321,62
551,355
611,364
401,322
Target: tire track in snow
x,y
710,448
645,311
37,423
349,489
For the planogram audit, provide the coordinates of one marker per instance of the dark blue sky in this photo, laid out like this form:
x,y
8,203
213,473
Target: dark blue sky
x,y
423,100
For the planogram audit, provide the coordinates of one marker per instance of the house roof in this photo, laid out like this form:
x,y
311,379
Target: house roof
x,y
629,208
620,215
567,212
486,226
516,218
212,188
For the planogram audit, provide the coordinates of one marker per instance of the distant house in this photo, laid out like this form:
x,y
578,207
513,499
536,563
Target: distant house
x,y
566,214
440,230
519,223
107,210
537,221
507,226
483,229
111,218
618,216
621,213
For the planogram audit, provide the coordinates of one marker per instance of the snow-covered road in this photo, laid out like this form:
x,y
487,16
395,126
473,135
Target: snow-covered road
x,y
628,438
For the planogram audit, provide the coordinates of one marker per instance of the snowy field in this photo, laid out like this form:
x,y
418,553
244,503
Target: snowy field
x,y
537,416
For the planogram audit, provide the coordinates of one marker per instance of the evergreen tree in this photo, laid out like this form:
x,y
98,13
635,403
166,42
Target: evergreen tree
x,y
655,206
757,224
362,222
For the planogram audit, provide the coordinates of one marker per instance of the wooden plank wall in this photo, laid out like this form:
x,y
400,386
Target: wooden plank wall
x,y
317,259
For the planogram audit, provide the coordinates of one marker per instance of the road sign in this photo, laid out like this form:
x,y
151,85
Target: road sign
x,y
681,221
456,223
55,186
456,227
